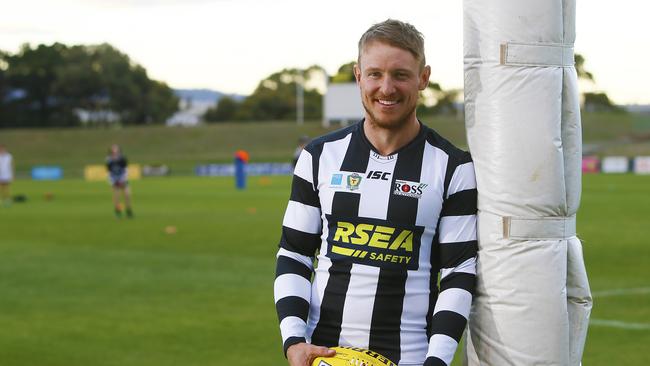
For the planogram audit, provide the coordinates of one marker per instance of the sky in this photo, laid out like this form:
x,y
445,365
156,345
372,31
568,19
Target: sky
x,y
230,45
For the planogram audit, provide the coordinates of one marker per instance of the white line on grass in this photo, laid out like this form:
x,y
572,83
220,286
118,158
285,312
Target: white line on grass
x,y
621,291
619,324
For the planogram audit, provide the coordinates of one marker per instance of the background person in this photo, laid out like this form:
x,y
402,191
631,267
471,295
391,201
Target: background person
x,y
116,164
6,175
302,141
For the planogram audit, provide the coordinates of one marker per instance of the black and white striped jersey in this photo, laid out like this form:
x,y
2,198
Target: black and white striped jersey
x,y
383,230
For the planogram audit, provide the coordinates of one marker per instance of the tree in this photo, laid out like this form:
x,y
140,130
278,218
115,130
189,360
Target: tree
x,y
599,102
593,101
345,74
580,68
435,100
50,85
225,110
275,96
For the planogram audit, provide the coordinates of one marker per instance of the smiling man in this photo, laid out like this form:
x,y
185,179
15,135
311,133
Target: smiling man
x,y
388,208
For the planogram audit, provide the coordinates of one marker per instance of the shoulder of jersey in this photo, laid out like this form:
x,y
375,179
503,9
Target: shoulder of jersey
x,y
351,356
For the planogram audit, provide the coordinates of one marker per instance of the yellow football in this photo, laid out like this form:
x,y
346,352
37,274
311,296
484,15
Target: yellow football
x,y
351,356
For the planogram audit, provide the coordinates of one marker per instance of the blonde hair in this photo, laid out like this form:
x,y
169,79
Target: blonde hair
x,y
397,34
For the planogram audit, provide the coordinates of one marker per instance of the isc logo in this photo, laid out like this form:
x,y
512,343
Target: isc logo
x,y
376,174
374,236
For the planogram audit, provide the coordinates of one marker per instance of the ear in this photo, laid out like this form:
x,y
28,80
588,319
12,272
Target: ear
x,y
424,77
357,72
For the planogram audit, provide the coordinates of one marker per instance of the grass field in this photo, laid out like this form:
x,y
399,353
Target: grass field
x,y
183,148
80,287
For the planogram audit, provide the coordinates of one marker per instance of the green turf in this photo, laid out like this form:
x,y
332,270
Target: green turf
x,y
80,287
183,148
180,148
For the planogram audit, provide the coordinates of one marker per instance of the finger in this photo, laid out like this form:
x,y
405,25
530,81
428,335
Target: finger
x,y
324,351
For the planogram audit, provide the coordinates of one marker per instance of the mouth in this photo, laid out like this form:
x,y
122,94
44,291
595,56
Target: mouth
x,y
387,102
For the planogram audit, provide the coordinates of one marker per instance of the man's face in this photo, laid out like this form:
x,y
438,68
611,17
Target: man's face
x,y
390,80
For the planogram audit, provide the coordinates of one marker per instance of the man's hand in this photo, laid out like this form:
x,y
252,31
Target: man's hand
x,y
302,354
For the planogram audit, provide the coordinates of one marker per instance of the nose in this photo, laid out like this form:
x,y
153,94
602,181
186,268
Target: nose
x,y
387,86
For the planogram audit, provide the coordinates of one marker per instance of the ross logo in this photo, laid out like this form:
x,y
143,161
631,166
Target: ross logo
x,y
336,180
373,242
409,189
353,181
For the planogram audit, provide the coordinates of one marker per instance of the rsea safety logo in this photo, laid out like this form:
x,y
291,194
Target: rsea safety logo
x,y
374,242
409,189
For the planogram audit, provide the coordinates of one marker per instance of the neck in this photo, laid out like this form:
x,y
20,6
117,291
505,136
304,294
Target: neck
x,y
389,140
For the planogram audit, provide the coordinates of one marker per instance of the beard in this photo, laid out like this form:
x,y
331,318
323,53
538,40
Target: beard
x,y
394,121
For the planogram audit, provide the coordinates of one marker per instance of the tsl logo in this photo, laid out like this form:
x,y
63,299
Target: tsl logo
x,y
353,181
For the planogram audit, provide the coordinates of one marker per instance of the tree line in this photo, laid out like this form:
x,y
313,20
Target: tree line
x,y
275,96
59,85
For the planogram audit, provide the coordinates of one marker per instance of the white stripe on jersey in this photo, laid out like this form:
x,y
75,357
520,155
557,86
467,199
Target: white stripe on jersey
x,y
330,161
292,326
456,300
469,266
443,347
463,179
303,167
454,229
370,203
434,167
302,217
290,284
318,288
357,312
307,261
416,298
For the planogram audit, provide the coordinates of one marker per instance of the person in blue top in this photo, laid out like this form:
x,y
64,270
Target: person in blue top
x,y
116,164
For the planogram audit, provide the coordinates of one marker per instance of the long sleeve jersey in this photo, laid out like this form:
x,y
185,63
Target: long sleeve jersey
x,y
379,252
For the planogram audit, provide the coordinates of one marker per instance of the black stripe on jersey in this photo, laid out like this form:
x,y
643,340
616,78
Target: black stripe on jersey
x,y
434,361
449,323
453,254
358,153
344,204
387,313
292,306
305,243
388,306
462,280
302,191
460,203
328,329
433,279
288,265
456,155
315,148
290,342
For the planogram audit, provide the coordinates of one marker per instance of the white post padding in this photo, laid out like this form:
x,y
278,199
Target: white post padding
x,y
522,114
